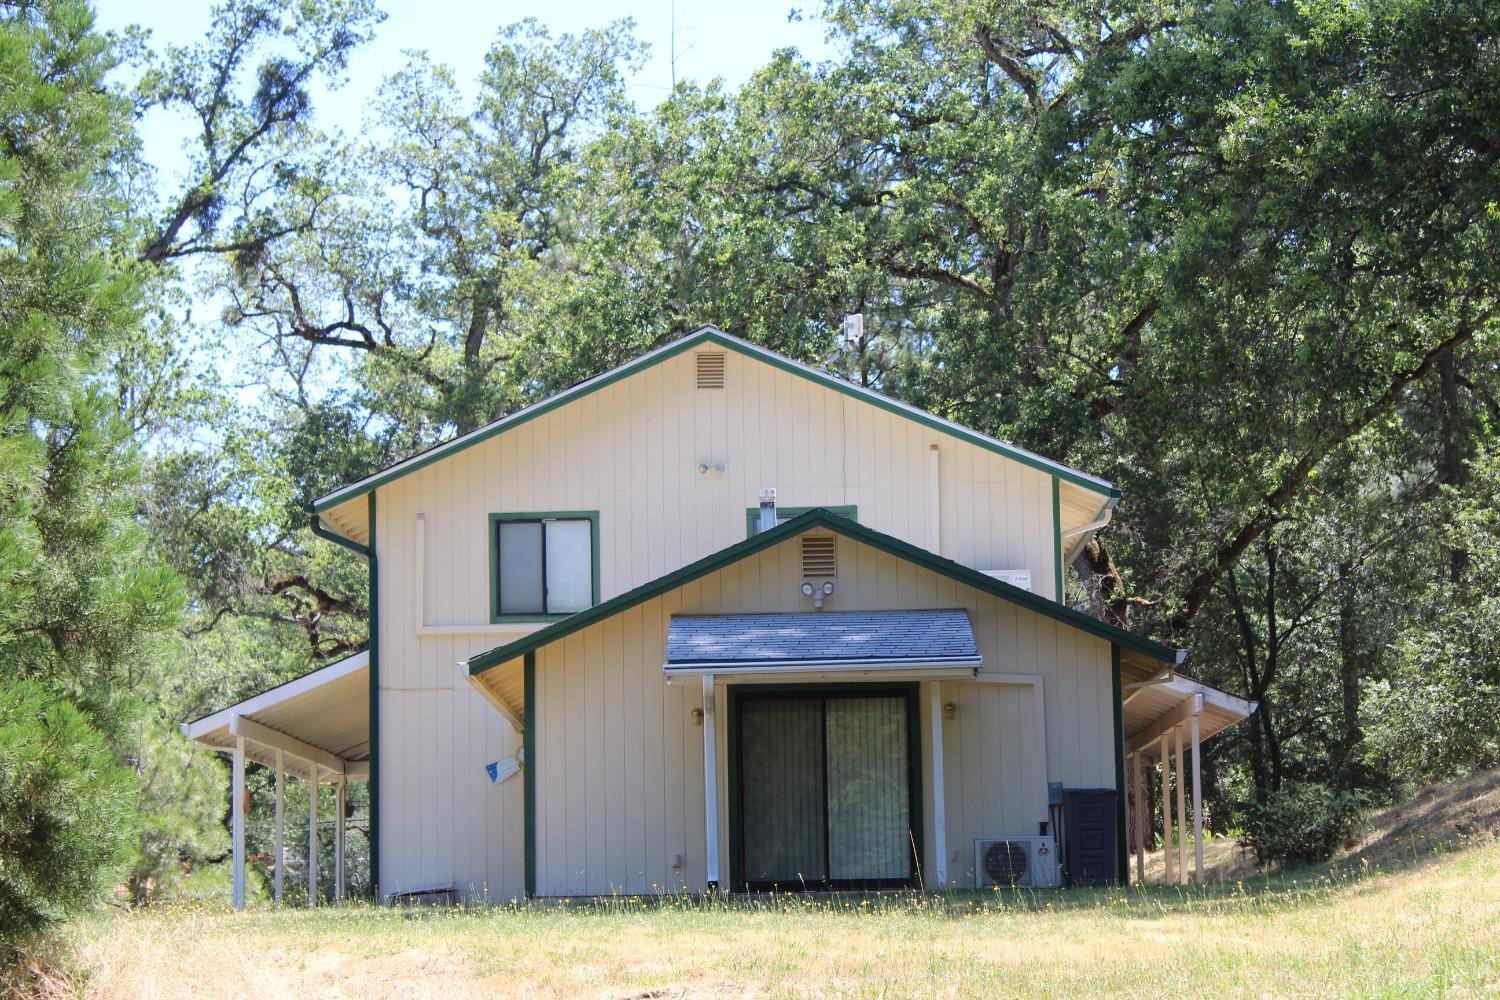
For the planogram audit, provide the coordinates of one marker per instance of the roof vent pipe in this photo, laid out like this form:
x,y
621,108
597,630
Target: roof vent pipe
x,y
767,510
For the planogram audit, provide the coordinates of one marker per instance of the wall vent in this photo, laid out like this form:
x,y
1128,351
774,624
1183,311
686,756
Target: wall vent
x,y
819,557
710,370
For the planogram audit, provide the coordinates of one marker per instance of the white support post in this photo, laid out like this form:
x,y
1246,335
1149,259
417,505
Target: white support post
x,y
1197,802
237,822
1167,877
338,843
1182,842
312,837
710,784
280,876
1140,816
939,807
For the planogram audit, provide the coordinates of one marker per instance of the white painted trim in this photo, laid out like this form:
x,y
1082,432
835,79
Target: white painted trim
x,y
277,695
935,776
237,824
822,666
710,782
338,843
275,739
1166,808
1182,842
934,500
1138,817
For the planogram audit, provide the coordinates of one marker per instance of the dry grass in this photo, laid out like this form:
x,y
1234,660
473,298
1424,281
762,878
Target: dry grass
x,y
1429,930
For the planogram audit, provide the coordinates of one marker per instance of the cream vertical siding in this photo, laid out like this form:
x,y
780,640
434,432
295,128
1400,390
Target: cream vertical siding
x,y
628,765
616,803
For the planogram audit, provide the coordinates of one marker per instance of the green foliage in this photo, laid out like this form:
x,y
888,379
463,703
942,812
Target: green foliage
x,y
1304,823
67,817
180,802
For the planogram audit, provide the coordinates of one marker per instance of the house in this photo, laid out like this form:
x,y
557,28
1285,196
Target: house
x,y
717,619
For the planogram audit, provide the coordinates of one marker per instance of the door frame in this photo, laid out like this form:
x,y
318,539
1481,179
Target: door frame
x,y
737,693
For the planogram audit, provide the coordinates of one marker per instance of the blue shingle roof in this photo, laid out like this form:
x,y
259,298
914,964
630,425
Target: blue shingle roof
x,y
833,637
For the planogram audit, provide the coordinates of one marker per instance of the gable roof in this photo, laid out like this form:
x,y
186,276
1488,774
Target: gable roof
x,y
820,518
707,335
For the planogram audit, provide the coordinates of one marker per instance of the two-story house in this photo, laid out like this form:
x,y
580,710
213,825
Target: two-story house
x,y
717,619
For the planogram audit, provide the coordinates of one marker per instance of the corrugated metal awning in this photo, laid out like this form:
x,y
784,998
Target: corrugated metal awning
x,y
821,641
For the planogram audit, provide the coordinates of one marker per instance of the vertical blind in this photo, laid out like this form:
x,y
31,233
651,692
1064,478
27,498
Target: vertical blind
x,y
825,790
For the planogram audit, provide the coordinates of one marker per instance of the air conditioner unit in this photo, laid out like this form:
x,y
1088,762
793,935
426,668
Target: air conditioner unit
x,y
1015,577
1028,862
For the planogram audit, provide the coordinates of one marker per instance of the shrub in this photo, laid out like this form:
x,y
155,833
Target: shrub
x,y
1304,823
67,819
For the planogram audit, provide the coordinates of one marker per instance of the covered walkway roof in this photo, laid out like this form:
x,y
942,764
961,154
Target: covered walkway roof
x,y
318,721
826,640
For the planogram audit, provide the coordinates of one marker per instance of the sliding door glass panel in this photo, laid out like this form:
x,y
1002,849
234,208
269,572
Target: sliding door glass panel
x,y
869,796
570,566
521,568
781,777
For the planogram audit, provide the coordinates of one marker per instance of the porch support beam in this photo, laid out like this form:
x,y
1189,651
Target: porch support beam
x,y
939,808
1166,809
1187,708
1197,803
312,843
293,747
338,843
1139,815
280,877
237,823
1182,843
710,784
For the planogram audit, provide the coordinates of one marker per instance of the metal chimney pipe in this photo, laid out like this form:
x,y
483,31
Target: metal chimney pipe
x,y
767,510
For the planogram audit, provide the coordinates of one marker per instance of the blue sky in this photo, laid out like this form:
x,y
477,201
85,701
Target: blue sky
x,y
714,39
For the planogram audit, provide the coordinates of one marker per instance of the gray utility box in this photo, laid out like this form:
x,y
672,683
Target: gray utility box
x,y
1091,836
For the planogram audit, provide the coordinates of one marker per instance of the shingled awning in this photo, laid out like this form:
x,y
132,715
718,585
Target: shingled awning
x,y
821,641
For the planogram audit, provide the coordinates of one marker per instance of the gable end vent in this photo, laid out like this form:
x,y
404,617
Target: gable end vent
x,y
819,558
710,370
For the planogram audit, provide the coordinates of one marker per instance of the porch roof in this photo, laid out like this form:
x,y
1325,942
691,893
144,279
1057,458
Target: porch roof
x,y
824,640
320,722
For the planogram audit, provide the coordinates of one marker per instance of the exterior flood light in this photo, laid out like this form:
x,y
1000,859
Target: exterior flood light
x,y
807,590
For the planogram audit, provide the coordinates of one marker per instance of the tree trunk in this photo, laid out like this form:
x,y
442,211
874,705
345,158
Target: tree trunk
x,y
1349,668
1451,452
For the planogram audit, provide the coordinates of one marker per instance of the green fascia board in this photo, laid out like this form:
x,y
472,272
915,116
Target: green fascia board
x,y
708,335
820,518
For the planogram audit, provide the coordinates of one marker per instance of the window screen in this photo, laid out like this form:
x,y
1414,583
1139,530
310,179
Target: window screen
x,y
544,566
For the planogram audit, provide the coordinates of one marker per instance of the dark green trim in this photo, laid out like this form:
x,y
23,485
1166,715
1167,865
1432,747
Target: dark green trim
x,y
709,335
539,515
337,539
752,514
1057,545
1118,692
374,647
841,526
528,767
913,694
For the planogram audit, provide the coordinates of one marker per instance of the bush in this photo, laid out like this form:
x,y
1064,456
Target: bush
x,y
1304,823
67,820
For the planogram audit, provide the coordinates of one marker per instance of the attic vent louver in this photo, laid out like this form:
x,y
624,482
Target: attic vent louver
x,y
710,370
819,558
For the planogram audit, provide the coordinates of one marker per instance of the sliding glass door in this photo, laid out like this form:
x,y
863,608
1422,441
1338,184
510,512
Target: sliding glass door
x,y
825,788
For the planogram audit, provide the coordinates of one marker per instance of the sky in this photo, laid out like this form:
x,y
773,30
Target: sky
x,y
728,38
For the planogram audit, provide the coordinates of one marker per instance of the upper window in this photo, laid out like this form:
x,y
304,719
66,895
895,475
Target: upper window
x,y
543,565
784,514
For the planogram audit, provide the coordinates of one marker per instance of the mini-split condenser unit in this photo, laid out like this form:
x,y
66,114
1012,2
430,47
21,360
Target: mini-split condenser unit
x,y
1025,862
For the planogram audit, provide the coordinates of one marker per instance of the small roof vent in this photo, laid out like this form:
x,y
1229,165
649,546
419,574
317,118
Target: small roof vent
x,y
710,369
819,557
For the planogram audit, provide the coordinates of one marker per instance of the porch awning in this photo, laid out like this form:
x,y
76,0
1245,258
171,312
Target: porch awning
x,y
821,641
320,722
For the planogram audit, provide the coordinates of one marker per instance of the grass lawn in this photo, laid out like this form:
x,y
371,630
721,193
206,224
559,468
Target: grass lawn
x,y
1428,929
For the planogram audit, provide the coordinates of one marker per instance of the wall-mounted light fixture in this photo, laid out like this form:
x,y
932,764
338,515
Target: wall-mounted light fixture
x,y
950,711
818,592
703,467
697,716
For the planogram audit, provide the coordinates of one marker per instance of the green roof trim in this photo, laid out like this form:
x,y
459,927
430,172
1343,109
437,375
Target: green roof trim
x,y
819,518
707,335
